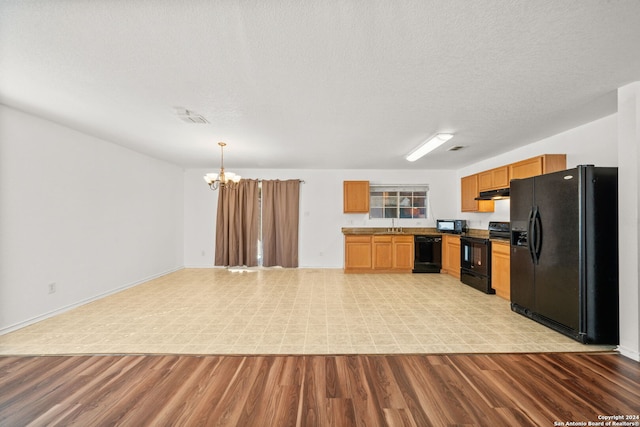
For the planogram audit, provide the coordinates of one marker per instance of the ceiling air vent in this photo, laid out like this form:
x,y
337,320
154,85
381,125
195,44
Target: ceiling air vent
x,y
456,148
188,116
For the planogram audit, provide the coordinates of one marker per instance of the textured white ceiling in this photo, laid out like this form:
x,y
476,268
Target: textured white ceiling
x,y
318,84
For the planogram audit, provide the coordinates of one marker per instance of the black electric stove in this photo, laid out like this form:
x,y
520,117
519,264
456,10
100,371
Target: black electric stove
x,y
475,257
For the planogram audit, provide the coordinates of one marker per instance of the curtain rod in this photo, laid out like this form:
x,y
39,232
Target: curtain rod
x,y
261,179
397,185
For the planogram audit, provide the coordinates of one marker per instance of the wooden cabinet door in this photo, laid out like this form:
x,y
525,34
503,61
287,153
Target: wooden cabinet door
x,y
493,179
451,255
382,252
355,196
403,253
485,181
539,165
454,257
526,168
469,191
357,253
501,269
500,177
554,163
445,255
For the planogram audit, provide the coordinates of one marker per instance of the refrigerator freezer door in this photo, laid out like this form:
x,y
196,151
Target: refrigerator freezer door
x,y
522,271
522,275
557,273
521,203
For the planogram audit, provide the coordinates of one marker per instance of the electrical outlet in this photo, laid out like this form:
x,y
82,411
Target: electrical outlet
x,y
52,288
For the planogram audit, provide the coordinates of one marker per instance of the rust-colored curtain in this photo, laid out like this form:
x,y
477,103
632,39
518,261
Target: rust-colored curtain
x,y
237,225
280,206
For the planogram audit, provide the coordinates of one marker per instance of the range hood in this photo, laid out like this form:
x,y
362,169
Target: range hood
x,y
502,193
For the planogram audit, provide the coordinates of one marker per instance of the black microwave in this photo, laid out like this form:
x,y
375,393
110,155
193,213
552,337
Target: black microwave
x,y
454,226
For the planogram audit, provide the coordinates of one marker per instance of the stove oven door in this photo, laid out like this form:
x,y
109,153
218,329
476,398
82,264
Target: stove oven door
x,y
474,255
475,267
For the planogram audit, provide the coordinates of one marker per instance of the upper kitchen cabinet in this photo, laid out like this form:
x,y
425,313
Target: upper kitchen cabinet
x,y
493,179
539,165
469,189
356,197
498,178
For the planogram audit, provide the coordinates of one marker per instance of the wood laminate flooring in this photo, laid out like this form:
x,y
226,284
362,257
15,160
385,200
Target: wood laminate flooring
x,y
319,390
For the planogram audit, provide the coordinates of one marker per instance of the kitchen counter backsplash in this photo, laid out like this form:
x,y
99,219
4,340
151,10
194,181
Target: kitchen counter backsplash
x,y
409,231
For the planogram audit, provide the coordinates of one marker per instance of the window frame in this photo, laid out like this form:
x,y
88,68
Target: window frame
x,y
410,201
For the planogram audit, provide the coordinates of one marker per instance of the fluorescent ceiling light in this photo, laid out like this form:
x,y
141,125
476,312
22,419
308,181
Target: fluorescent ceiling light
x,y
429,145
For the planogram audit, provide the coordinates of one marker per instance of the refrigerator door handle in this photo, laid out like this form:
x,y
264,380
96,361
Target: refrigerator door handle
x,y
530,236
537,225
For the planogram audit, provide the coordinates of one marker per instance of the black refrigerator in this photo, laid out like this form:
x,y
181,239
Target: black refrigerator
x,y
564,252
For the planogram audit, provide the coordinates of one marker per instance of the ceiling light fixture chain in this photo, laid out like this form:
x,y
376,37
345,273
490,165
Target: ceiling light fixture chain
x,y
222,179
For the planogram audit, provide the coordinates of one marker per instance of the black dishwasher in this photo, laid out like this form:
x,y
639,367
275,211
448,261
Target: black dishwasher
x,y
428,254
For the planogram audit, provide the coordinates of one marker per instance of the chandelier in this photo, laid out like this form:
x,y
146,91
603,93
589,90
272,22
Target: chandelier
x,y
222,179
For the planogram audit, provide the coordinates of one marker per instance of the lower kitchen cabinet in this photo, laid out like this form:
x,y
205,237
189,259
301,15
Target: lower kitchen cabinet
x,y
357,253
451,255
403,253
385,253
500,268
382,252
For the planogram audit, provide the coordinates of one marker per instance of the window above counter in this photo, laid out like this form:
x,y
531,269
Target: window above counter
x,y
398,201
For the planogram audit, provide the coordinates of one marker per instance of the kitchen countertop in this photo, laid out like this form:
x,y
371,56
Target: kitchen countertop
x,y
409,231
501,241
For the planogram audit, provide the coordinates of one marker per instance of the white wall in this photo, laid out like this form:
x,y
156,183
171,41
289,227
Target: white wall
x,y
84,213
321,218
593,143
629,224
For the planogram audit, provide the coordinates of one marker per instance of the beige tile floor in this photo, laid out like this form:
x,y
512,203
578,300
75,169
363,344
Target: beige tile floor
x,y
291,311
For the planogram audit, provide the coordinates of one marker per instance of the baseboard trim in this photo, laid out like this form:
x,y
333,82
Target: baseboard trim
x,y
203,266
630,353
66,308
